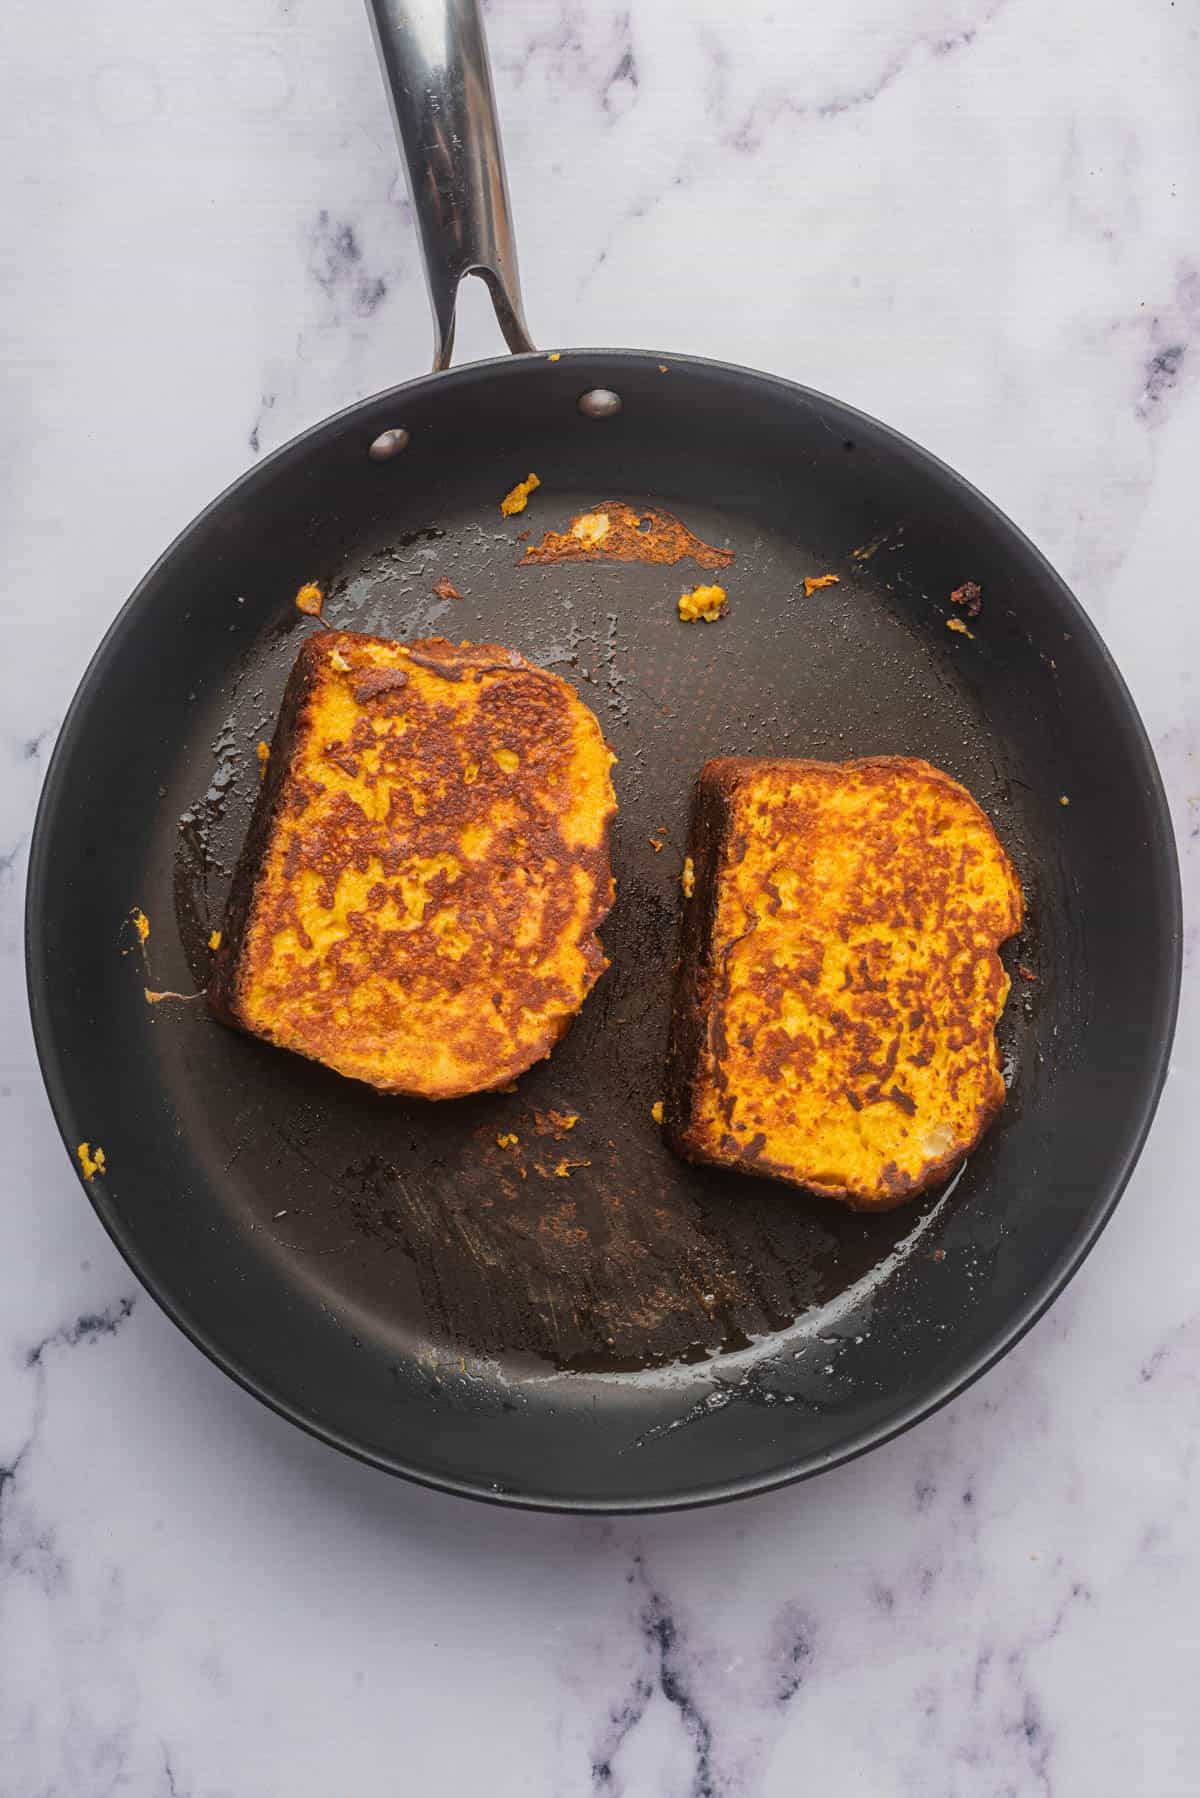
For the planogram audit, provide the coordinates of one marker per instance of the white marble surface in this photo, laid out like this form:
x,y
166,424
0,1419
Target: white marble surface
x,y
976,218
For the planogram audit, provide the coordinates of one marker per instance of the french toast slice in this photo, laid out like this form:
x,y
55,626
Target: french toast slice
x,y
417,901
839,983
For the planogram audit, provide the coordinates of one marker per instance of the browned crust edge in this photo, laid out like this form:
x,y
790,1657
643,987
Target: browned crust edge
x,y
455,662
225,980
712,807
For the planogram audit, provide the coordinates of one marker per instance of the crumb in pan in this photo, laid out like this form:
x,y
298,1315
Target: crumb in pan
x,y
517,498
706,603
91,1161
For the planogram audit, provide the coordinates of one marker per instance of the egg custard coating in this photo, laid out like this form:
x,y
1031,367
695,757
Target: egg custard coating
x,y
839,984
418,898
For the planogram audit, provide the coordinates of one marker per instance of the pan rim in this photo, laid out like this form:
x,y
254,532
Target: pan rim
x,y
1053,1280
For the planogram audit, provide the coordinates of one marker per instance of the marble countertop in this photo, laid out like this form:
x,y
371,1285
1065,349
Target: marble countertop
x,y
974,218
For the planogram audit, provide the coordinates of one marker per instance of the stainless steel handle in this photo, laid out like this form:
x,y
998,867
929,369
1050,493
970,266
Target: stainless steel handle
x,y
435,64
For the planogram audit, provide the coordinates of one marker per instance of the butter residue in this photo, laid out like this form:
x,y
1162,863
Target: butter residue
x,y
592,528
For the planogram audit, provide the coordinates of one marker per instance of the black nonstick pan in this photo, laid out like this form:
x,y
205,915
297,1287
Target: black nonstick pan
x,y
634,1333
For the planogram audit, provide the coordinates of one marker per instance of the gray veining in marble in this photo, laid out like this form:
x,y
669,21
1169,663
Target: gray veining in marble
x,y
975,218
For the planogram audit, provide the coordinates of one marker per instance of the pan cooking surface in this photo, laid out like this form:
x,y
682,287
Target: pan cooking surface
x,y
577,1317
588,1244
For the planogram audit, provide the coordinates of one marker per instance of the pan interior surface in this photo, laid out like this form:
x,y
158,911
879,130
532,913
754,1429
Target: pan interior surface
x,y
578,1319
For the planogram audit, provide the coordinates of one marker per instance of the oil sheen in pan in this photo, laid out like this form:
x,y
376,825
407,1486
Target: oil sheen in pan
x,y
589,1247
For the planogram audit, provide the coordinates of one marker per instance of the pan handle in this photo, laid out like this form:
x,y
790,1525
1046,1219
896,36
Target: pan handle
x,y
435,66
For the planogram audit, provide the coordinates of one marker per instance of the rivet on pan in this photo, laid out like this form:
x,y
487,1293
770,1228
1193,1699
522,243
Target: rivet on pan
x,y
600,402
388,444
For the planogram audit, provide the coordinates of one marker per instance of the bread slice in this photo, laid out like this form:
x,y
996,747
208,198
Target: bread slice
x,y
417,901
839,986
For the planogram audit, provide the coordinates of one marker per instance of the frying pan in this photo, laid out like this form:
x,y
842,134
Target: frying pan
x,y
633,1333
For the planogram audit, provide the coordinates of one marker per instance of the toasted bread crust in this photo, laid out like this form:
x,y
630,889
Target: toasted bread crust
x,y
227,964
417,901
838,987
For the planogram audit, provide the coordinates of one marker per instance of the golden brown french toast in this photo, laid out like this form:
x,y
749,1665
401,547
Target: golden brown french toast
x,y
839,984
417,901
